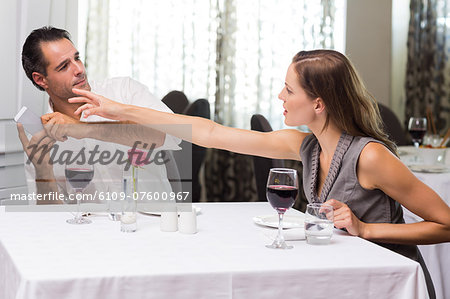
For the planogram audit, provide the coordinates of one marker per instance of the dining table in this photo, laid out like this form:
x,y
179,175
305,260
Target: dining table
x,y
437,177
41,256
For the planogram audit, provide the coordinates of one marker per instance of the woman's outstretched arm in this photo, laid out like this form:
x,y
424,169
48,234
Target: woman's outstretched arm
x,y
282,144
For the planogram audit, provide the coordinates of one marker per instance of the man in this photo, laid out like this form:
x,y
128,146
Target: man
x,y
52,63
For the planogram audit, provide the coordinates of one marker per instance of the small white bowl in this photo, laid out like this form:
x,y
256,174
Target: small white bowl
x,y
432,156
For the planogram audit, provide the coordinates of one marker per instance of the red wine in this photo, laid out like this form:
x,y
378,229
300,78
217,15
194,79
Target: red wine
x,y
417,134
79,178
281,197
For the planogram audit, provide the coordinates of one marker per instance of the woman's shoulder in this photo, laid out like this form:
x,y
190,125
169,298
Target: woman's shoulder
x,y
375,159
368,149
375,151
369,145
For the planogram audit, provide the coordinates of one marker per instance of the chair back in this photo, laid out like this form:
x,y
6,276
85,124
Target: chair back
x,y
176,101
198,108
262,165
173,174
392,126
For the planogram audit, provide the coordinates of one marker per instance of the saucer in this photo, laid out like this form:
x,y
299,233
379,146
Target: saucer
x,y
272,221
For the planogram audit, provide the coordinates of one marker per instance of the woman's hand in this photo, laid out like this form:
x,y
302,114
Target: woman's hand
x,y
344,218
97,104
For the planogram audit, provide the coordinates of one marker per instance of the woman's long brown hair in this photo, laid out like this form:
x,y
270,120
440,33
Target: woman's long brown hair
x,y
329,75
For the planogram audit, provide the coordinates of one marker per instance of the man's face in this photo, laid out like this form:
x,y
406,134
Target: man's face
x,y
64,70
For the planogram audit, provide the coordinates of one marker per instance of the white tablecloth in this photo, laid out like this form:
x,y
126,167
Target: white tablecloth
x,y
43,257
437,257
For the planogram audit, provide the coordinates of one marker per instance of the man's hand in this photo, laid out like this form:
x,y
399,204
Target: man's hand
x,y
59,126
344,218
37,149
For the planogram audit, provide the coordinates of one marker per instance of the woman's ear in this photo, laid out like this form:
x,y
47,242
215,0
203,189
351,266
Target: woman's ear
x,y
319,105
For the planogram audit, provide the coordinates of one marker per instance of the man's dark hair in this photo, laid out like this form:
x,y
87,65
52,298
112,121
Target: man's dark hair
x,y
33,59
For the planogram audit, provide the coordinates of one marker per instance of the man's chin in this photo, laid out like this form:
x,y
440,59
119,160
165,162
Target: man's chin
x,y
84,86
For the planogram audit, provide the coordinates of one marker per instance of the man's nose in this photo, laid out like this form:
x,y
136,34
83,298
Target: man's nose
x,y
78,68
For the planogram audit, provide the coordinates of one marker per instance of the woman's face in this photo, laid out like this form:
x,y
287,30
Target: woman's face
x,y
298,106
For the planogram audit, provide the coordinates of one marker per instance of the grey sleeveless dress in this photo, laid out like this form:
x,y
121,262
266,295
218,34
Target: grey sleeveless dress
x,y
371,206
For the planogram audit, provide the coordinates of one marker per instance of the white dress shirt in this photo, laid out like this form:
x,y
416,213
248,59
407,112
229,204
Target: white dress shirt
x,y
107,178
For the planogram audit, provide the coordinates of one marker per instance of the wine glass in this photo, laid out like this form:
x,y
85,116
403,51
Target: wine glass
x,y
79,174
417,127
282,189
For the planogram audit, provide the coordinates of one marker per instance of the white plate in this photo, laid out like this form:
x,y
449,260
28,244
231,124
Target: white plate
x,y
272,221
429,168
197,211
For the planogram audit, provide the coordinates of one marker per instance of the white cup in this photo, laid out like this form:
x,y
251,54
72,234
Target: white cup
x,y
432,156
169,222
187,222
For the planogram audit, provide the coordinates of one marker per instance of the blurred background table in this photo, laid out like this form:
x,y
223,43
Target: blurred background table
x,y
436,256
43,257
439,182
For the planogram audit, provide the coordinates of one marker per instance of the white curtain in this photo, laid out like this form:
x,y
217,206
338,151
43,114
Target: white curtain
x,y
234,53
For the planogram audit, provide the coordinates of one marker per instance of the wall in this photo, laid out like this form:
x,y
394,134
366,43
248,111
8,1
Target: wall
x,y
376,43
368,44
17,19
8,52
400,23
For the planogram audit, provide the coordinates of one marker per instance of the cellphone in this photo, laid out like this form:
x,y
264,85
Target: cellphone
x,y
30,121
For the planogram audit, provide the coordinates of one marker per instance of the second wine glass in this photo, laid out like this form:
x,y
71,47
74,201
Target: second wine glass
x,y
282,189
417,127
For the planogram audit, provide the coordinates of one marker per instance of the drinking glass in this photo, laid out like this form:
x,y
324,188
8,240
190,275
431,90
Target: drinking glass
x,y
79,174
130,190
114,205
318,223
282,189
417,127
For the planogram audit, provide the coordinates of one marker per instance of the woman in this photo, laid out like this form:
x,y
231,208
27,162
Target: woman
x,y
348,160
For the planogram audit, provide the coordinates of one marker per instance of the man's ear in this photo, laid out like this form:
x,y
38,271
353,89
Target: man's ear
x,y
319,105
40,80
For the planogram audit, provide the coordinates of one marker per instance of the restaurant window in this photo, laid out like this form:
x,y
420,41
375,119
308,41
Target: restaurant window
x,y
234,53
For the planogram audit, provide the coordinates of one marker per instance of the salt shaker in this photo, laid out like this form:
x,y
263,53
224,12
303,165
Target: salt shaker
x,y
187,222
169,221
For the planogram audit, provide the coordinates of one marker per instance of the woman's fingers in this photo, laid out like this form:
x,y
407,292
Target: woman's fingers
x,y
85,93
87,97
341,210
83,108
336,204
80,100
341,224
96,104
342,214
91,110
